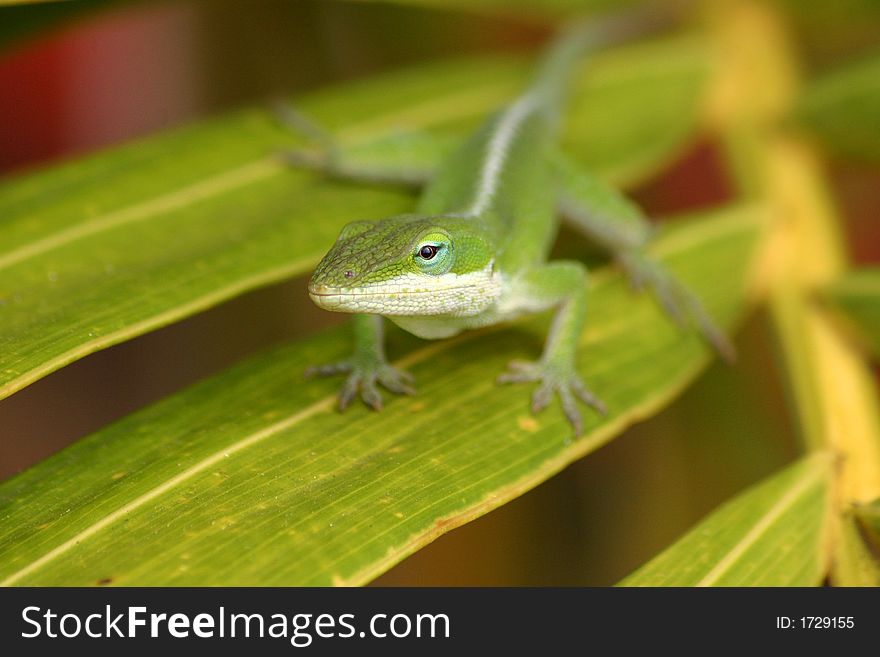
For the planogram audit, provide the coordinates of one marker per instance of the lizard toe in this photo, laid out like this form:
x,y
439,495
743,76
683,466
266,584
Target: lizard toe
x,y
520,371
370,393
397,381
331,369
348,391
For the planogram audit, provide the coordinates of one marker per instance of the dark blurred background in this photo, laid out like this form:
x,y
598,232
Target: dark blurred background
x,y
120,70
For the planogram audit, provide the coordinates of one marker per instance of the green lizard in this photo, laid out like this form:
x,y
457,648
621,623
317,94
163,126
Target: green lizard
x,y
474,253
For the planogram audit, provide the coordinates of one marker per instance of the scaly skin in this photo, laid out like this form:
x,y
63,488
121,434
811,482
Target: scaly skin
x,y
475,252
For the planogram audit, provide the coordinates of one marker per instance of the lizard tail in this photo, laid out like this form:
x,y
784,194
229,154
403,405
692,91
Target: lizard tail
x,y
588,35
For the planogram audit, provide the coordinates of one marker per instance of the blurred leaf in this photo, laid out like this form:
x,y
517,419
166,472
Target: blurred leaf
x,y
868,516
617,134
857,295
98,251
27,18
4,3
835,13
541,8
252,477
842,109
773,534
832,394
828,30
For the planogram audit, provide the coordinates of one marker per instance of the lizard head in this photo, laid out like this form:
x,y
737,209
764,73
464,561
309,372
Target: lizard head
x,y
408,265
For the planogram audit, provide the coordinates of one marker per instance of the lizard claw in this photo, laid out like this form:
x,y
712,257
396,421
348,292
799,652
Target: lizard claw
x,y
364,378
552,379
298,123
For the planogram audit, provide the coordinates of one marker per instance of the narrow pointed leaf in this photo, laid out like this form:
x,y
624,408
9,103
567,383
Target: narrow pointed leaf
x,y
97,251
771,535
858,547
252,477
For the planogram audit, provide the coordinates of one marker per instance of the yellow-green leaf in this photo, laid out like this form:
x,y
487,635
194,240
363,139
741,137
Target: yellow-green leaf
x,y
252,477
774,534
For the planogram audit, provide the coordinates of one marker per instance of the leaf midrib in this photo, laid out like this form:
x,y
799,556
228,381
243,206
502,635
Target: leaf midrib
x,y
176,200
760,528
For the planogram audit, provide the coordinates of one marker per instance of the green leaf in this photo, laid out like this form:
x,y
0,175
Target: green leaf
x,y
857,295
842,109
771,535
98,251
252,477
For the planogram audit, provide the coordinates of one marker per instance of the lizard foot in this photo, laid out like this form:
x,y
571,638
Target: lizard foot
x,y
553,379
364,378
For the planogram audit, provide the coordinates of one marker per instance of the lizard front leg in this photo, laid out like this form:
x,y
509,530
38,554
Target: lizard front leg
x,y
403,158
560,284
367,367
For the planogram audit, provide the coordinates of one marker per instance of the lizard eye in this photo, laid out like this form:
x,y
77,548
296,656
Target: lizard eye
x,y
433,254
428,251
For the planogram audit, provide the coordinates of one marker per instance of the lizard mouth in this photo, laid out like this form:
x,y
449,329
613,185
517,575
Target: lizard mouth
x,y
385,302
367,301
323,292
454,294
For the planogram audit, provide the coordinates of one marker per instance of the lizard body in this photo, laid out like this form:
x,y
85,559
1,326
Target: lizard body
x,y
475,251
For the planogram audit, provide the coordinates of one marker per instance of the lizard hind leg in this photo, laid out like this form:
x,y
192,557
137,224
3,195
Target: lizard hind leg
x,y
400,158
676,300
604,215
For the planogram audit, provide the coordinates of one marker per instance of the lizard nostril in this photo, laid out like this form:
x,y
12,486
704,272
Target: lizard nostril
x,y
349,273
